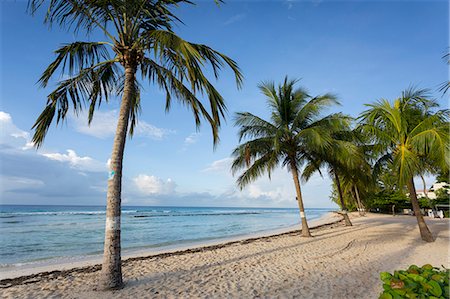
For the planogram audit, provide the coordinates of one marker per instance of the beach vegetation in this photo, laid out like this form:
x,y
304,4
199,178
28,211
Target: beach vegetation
x,y
443,176
416,282
385,199
139,46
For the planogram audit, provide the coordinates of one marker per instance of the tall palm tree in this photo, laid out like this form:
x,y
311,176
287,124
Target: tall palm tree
x,y
406,141
342,157
139,41
295,126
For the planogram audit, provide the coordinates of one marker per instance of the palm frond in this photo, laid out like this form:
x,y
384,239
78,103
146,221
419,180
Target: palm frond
x,y
91,86
75,57
186,59
312,110
174,87
311,168
406,162
246,153
77,14
265,164
252,126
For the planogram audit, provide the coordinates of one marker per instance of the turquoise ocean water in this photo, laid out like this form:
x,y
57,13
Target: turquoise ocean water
x,y
38,233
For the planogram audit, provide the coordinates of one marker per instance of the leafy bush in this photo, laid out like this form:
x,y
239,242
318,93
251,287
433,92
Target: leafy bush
x,y
425,203
425,282
384,200
442,197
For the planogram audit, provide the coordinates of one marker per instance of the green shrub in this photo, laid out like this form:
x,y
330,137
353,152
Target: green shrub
x,y
426,282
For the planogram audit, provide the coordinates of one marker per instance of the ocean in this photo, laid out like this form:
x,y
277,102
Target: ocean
x,y
30,234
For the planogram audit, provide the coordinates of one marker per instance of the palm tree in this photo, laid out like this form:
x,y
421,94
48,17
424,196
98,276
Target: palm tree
x,y
295,126
341,158
406,141
139,40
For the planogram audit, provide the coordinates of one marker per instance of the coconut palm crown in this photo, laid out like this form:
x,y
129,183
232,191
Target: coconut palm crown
x,y
408,132
295,126
139,45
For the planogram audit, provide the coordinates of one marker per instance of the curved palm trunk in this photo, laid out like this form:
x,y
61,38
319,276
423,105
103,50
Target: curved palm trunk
x,y
352,191
424,186
111,274
305,228
424,231
362,209
341,199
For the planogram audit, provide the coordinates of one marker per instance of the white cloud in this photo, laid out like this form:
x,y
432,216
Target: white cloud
x,y
289,4
148,130
104,125
255,191
191,139
234,19
5,117
152,185
77,162
11,135
28,145
221,166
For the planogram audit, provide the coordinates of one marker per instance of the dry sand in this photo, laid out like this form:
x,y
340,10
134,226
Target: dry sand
x,y
339,262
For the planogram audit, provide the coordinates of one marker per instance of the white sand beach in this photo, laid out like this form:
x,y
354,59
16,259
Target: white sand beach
x,y
339,262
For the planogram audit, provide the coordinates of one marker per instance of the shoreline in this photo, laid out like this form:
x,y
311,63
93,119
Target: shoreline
x,y
86,264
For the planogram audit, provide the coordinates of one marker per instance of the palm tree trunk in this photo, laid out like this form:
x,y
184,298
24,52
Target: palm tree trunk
x,y
424,186
424,231
305,228
352,191
362,211
111,274
341,199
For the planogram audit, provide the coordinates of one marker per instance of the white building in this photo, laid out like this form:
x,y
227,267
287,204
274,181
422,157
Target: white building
x,y
431,192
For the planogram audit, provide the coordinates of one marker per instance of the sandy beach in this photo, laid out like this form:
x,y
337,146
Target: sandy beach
x,y
339,262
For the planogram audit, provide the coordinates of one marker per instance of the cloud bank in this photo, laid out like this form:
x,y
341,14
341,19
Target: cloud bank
x,y
45,177
104,125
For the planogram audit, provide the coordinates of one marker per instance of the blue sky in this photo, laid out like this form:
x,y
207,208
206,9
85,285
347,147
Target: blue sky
x,y
360,50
